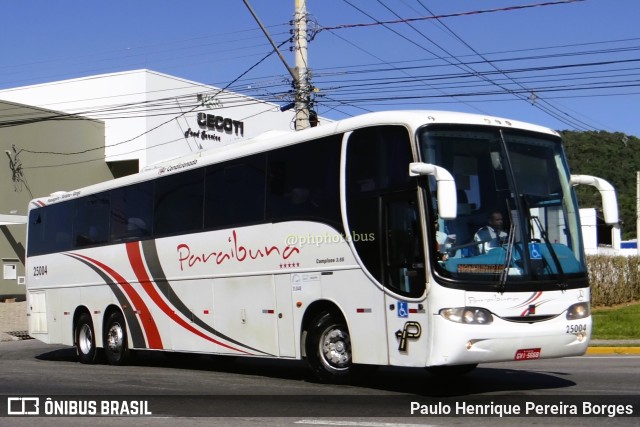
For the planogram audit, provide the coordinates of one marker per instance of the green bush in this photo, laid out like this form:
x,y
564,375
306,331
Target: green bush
x,y
614,280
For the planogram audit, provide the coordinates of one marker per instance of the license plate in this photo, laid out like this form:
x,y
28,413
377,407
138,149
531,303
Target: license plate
x,y
528,354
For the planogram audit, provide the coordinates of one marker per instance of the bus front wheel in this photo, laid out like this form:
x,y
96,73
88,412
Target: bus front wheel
x,y
85,339
328,349
116,347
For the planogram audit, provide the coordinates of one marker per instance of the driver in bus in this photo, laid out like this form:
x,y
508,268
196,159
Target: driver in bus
x,y
491,235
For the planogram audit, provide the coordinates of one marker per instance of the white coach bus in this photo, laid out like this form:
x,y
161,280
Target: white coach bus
x,y
350,244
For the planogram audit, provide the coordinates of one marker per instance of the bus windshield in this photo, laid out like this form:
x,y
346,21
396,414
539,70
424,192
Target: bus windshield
x,y
517,218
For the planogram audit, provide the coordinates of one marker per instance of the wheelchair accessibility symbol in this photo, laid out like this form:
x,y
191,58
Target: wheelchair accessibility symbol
x,y
534,251
403,309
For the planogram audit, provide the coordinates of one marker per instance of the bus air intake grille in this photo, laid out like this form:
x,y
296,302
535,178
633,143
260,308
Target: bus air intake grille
x,y
529,319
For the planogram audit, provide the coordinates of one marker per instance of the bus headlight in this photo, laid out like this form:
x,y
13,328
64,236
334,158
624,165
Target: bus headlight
x,y
578,311
467,315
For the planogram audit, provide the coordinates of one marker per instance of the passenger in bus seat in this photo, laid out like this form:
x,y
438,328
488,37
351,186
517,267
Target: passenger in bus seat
x,y
491,235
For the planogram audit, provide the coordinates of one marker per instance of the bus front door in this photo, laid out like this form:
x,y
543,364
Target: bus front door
x,y
404,278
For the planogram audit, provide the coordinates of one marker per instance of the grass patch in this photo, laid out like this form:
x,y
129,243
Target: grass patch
x,y
616,323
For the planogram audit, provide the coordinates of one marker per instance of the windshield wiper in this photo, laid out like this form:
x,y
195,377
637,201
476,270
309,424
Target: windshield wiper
x,y
502,284
552,252
547,242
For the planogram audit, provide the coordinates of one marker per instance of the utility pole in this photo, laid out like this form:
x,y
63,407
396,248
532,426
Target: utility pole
x,y
273,44
300,75
301,84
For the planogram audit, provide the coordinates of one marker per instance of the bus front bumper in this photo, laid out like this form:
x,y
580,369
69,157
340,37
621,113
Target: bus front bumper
x,y
462,344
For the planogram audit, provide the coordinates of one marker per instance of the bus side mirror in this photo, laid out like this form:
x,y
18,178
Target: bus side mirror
x,y
607,193
446,187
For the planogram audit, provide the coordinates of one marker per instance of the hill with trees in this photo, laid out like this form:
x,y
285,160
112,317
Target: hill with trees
x,y
612,156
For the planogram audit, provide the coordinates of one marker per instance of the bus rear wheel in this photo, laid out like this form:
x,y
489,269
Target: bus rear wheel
x,y
328,349
116,346
85,339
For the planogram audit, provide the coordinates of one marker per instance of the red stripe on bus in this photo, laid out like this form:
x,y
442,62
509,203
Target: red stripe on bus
x,y
135,258
531,299
150,328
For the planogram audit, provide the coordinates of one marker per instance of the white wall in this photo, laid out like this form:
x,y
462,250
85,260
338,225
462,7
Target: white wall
x,y
256,117
93,97
164,108
588,219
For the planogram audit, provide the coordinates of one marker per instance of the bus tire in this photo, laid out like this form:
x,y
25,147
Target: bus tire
x,y
328,349
116,346
85,340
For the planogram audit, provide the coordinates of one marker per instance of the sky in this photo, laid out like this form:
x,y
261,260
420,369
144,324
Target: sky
x,y
572,65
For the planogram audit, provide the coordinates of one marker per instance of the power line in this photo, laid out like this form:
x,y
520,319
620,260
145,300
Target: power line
x,y
395,32
540,104
155,127
214,47
396,65
450,15
459,63
166,106
548,108
486,54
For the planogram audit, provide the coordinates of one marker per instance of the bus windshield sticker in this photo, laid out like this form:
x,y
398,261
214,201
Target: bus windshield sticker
x,y
481,268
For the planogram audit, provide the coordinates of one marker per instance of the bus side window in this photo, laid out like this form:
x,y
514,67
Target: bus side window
x,y
304,182
91,223
235,193
131,212
178,203
50,229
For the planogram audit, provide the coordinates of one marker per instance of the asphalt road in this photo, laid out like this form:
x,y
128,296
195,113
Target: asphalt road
x,y
200,390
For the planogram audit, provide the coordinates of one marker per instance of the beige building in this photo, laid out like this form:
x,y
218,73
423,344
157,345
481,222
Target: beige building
x,y
29,137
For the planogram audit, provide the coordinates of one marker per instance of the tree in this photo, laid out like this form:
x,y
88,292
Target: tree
x,y
614,157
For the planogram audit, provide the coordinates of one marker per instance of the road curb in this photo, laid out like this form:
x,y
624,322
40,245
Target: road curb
x,y
613,350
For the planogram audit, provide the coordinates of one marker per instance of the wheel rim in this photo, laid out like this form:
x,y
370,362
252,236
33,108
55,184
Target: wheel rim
x,y
85,339
335,348
115,338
